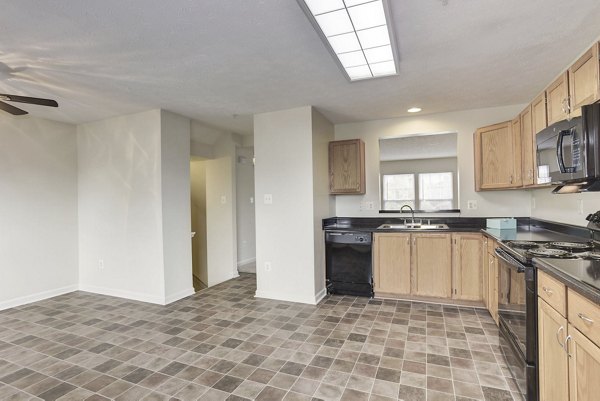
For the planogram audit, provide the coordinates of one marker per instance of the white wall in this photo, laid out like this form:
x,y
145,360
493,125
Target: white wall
x,y
564,208
176,207
38,209
323,203
286,230
220,211
199,250
120,207
246,227
490,203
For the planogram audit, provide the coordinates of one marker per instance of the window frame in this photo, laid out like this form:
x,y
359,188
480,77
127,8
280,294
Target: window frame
x,y
416,191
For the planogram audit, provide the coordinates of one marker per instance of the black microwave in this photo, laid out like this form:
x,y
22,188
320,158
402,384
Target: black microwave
x,y
568,152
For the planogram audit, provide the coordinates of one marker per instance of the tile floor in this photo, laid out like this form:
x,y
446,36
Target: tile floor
x,y
223,344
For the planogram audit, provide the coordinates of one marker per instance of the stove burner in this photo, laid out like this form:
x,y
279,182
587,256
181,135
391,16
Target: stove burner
x,y
550,253
571,246
592,255
523,244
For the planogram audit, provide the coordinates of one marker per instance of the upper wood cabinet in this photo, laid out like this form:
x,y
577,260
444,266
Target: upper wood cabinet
x,y
539,117
557,99
584,80
391,263
467,259
497,157
527,148
517,148
347,167
431,265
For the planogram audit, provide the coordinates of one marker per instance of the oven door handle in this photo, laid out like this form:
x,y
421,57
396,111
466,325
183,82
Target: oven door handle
x,y
502,254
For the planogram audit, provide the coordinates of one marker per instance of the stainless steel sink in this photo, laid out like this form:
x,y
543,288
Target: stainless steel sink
x,y
413,226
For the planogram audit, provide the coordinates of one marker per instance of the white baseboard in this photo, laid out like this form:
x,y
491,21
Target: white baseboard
x,y
320,295
246,261
136,296
286,297
39,296
179,295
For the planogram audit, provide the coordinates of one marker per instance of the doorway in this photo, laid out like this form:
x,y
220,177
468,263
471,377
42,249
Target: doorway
x,y
199,229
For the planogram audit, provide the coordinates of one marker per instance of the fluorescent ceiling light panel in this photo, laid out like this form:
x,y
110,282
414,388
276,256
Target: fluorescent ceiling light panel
x,y
357,33
347,42
352,59
324,6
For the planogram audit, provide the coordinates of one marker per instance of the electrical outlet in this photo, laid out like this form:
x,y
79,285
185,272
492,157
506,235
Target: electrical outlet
x,y
223,199
472,204
268,199
268,266
251,199
100,264
370,205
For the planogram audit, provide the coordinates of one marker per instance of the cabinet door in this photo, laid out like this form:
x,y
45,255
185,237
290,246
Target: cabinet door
x,y
517,144
539,118
553,359
494,157
493,287
527,148
584,367
557,98
347,167
485,279
432,265
391,263
467,251
584,80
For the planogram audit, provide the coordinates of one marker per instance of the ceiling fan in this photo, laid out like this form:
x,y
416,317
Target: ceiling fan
x,y
22,99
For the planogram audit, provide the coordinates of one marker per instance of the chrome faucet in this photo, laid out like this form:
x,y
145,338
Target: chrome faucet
x,y
412,212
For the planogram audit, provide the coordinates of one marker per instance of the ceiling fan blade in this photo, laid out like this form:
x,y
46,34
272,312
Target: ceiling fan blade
x,y
12,109
30,100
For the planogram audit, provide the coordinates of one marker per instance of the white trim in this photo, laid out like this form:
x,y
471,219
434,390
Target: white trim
x,y
136,296
179,295
285,297
246,261
39,296
320,295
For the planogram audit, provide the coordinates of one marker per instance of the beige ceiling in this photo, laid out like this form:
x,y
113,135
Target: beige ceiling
x,y
223,61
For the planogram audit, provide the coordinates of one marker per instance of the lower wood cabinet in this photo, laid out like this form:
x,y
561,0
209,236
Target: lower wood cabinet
x,y
553,360
569,361
491,286
441,265
432,265
391,263
467,258
485,275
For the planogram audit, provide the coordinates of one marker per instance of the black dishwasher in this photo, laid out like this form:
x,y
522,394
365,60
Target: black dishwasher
x,y
349,263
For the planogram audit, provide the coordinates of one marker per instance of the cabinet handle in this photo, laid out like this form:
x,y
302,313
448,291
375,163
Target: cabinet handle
x,y
558,337
511,179
547,290
569,338
585,318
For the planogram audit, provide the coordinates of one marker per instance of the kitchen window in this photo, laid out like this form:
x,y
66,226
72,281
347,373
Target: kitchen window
x,y
435,191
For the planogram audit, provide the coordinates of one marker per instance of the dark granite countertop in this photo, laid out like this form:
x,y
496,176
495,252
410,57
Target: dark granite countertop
x,y
582,276
534,233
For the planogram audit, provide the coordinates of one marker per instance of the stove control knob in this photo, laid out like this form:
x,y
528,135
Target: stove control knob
x,y
590,217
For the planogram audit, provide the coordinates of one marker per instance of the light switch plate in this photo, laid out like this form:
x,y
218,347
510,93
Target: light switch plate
x,y
472,204
223,199
268,199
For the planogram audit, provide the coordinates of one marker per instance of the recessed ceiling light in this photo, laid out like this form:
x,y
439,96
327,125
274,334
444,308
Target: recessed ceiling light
x,y
414,110
358,33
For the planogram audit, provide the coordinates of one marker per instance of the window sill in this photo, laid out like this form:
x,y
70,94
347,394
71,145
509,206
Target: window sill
x,y
421,211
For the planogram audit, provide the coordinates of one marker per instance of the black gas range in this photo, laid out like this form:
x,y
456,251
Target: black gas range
x,y
517,296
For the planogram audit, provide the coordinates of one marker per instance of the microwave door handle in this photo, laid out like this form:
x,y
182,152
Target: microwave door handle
x,y
560,154
559,151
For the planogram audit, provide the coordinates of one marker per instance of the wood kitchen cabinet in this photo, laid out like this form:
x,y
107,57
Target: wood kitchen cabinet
x,y
557,99
553,360
584,80
527,148
391,263
485,275
584,367
539,116
431,265
493,286
568,343
497,157
347,167
467,257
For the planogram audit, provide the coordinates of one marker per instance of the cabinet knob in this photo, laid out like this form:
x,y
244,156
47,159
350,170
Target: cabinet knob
x,y
547,290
